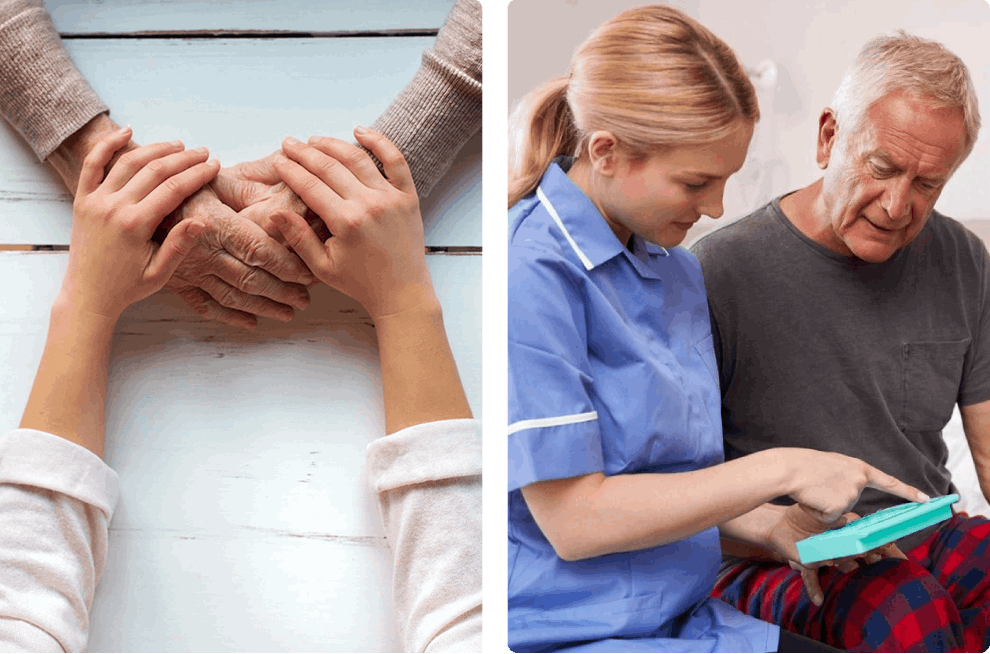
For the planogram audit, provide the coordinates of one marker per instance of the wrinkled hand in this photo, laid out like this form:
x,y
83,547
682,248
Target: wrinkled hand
x,y
236,271
255,191
796,523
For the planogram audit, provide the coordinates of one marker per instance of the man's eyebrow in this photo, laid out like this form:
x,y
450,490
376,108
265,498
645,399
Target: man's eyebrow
x,y
881,156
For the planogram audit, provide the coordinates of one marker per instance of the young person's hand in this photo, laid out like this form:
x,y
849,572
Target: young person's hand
x,y
113,261
375,253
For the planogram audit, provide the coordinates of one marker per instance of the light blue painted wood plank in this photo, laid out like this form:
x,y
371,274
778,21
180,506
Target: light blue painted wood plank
x,y
240,98
245,521
89,16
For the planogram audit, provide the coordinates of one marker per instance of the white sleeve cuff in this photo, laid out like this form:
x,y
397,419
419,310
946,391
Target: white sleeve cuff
x,y
432,451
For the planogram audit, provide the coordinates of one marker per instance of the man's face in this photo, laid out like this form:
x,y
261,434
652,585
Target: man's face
x,y
882,182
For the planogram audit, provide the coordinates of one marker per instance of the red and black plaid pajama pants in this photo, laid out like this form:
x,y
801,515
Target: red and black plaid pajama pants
x,y
936,601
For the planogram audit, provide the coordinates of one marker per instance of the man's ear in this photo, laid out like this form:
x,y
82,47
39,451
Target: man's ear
x,y
602,152
828,132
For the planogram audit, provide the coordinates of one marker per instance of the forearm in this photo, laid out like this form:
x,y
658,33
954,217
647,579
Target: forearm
x,y
748,533
42,93
68,397
419,375
440,109
976,426
596,515
68,157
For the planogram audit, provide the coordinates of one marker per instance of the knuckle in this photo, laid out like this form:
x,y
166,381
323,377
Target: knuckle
x,y
157,168
350,224
226,296
251,282
256,253
128,160
328,166
311,184
172,186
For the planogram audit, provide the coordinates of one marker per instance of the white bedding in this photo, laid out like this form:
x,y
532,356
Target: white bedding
x,y
963,471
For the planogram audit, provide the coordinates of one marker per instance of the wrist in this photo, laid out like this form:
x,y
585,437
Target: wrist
x,y
422,306
67,158
70,311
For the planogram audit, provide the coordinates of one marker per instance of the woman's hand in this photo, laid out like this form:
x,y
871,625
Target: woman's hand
x,y
113,261
375,253
797,523
829,484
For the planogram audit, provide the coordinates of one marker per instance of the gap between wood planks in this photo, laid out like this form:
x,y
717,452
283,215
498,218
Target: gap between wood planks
x,y
456,250
249,34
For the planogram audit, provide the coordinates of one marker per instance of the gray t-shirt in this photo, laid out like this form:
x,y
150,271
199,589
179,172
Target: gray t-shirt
x,y
824,351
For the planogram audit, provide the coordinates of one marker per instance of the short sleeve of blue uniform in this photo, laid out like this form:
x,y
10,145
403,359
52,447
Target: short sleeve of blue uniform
x,y
610,369
553,427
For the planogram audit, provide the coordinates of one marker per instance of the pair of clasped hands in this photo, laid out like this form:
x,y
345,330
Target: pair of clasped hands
x,y
375,254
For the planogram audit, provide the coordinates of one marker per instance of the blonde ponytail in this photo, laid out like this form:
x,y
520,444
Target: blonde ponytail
x,y
652,76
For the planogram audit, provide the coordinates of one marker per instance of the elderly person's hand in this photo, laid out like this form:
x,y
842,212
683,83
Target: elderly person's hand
x,y
796,524
236,271
256,192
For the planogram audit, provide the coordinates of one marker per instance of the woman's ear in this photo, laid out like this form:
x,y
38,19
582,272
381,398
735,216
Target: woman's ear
x,y
602,152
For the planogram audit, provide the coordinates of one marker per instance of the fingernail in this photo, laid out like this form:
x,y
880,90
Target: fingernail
x,y
202,149
176,143
124,130
290,140
301,303
279,159
195,229
924,498
307,280
312,139
214,162
817,599
360,129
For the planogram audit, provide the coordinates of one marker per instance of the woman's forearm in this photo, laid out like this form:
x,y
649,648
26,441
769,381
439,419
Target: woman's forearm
x,y
68,397
595,515
419,376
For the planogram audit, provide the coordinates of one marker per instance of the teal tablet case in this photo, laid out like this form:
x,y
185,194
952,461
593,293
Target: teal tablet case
x,y
874,530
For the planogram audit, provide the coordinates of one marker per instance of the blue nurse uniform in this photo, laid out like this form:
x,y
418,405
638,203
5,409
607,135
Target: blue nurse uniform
x,y
611,369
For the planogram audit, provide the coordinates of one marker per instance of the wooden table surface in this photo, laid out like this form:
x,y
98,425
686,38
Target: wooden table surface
x,y
245,522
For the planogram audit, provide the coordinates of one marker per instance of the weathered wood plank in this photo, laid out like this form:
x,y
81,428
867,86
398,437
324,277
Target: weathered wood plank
x,y
239,98
89,16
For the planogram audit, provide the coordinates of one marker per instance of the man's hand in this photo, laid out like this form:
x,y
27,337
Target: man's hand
x,y
236,271
796,524
254,190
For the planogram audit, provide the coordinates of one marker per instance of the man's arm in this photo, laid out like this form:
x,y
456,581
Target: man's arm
x,y
976,425
748,535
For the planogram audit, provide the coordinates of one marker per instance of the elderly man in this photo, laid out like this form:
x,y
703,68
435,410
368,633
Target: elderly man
x,y
849,316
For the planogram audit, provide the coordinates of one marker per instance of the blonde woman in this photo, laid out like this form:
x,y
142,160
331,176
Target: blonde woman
x,y
617,485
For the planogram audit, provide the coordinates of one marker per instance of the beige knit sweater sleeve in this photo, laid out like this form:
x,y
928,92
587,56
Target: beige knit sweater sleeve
x,y
440,109
42,94
46,99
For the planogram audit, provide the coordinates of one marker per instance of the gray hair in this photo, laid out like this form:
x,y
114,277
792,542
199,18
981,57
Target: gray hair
x,y
917,66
